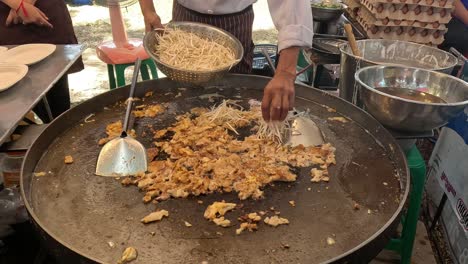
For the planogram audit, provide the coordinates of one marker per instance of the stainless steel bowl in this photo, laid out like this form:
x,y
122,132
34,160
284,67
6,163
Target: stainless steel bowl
x,y
323,14
202,30
408,115
389,52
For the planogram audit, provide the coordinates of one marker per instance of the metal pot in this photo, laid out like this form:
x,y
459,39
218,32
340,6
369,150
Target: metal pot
x,y
389,52
322,14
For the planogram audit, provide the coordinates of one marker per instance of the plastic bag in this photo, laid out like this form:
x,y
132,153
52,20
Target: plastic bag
x,y
12,210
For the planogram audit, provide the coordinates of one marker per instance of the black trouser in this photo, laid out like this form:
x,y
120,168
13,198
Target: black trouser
x,y
456,36
58,98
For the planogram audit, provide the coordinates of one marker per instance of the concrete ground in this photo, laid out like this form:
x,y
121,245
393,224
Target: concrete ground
x,y
92,26
422,250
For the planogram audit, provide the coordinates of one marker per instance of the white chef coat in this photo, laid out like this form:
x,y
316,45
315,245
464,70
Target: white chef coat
x,y
292,18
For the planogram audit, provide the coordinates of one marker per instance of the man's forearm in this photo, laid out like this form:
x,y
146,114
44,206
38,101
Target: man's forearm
x,y
13,4
288,60
147,6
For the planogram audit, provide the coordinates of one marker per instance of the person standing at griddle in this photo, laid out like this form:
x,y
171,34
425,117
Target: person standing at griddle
x,y
292,18
55,28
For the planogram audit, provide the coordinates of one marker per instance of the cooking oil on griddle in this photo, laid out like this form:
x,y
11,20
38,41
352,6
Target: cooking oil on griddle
x,y
411,94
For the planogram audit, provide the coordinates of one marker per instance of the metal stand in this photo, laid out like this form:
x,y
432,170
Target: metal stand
x,y
47,107
438,213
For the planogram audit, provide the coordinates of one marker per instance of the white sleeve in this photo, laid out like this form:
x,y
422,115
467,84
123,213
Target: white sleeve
x,y
293,20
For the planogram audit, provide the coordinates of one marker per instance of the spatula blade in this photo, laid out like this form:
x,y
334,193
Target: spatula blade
x,y
122,156
304,131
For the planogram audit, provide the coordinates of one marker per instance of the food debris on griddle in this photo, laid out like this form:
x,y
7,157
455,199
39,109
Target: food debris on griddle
x,y
68,159
155,216
356,206
221,221
113,130
40,174
292,203
276,221
254,217
187,224
339,119
128,255
150,111
249,226
218,209
284,245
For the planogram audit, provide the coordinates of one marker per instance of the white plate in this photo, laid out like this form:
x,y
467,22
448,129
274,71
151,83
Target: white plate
x,y
11,74
3,49
27,54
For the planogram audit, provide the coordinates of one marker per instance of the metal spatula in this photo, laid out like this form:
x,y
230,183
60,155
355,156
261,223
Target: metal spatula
x,y
304,130
123,156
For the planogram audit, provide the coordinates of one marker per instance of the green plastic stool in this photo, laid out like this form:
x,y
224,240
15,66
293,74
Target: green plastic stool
x,y
404,245
120,72
301,64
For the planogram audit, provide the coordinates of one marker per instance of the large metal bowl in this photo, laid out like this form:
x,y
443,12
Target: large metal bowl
x,y
202,30
323,14
409,115
390,52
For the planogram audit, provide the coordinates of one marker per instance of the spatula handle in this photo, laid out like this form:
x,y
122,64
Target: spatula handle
x,y
352,40
136,70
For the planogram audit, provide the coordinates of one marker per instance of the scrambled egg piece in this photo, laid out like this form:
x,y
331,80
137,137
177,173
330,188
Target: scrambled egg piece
x,y
218,208
221,221
155,216
113,130
128,255
276,221
254,217
149,111
249,226
68,159
40,174
339,119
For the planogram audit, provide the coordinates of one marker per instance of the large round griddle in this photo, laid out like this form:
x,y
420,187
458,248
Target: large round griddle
x,y
78,213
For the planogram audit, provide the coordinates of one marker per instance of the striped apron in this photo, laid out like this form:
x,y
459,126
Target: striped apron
x,y
238,24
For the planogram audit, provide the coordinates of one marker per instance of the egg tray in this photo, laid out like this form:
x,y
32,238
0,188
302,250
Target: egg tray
x,y
426,3
352,4
368,18
408,12
413,34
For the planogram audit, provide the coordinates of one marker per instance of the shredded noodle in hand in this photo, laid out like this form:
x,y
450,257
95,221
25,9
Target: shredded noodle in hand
x,y
185,50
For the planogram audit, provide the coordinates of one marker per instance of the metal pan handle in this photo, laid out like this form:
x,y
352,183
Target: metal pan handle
x,y
136,70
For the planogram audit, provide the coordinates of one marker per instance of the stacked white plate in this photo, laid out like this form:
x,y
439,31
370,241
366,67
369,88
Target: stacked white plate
x,y
13,62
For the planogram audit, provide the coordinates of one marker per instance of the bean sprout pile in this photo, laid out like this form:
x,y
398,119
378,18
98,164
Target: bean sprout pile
x,y
188,51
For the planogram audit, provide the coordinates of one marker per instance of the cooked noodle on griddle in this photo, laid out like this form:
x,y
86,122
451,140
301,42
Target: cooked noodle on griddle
x,y
203,157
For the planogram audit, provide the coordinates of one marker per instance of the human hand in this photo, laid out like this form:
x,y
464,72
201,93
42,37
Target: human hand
x,y
152,21
12,18
278,97
30,14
